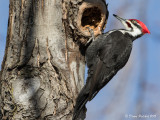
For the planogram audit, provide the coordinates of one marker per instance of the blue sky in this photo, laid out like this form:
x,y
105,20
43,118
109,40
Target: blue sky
x,y
4,12
135,89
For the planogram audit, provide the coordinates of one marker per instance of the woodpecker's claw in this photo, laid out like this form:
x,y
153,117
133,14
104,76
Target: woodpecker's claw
x,y
91,31
92,35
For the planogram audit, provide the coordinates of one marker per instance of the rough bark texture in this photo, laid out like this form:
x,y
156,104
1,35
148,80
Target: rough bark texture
x,y
43,67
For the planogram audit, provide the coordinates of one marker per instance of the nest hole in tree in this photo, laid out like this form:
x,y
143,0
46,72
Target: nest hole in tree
x,y
91,17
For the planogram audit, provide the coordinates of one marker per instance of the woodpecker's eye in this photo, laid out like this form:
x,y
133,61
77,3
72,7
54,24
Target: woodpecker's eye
x,y
133,21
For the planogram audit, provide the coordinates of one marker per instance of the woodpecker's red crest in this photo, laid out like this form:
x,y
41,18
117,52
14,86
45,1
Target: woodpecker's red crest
x,y
143,26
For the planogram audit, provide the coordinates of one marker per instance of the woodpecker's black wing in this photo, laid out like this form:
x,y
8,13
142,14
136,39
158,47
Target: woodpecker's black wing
x,y
112,54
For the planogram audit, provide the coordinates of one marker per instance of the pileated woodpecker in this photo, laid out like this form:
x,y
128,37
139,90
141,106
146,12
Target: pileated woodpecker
x,y
105,56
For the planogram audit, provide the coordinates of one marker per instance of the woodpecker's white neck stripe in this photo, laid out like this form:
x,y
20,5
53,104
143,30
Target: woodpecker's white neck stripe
x,y
134,32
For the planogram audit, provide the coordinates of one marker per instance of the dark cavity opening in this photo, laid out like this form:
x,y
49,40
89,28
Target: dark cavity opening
x,y
91,17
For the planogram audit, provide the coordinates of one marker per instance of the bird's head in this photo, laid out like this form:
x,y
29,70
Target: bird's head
x,y
134,26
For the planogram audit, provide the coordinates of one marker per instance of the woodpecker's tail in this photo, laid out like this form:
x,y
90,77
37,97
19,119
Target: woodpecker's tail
x,y
81,101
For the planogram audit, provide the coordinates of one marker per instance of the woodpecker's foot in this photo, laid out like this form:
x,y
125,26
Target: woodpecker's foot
x,y
92,36
90,39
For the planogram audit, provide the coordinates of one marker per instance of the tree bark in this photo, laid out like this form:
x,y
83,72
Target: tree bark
x,y
43,67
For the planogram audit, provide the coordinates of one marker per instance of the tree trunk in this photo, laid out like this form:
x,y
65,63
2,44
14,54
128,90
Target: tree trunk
x,y
43,67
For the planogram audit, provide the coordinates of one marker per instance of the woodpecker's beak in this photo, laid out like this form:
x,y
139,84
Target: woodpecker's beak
x,y
119,18
125,22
